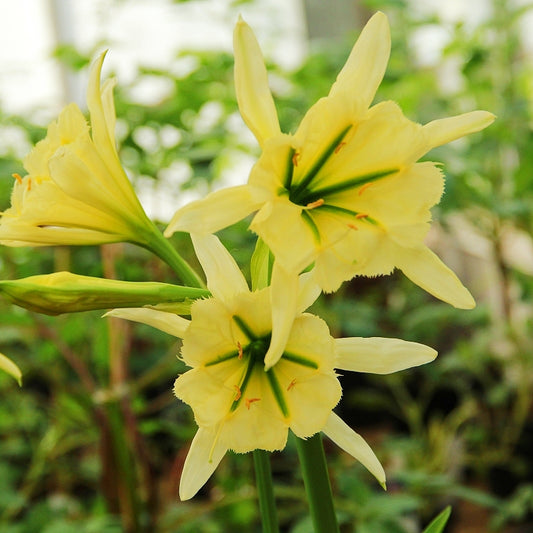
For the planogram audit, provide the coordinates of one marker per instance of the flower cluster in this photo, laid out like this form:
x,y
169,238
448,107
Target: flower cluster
x,y
345,195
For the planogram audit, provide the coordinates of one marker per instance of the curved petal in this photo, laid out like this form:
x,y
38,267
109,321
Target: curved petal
x,y
202,460
217,210
425,269
284,298
251,85
445,130
351,442
224,277
167,322
377,355
11,368
365,67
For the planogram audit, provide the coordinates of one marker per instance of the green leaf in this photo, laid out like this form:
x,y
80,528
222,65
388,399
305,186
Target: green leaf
x,y
439,523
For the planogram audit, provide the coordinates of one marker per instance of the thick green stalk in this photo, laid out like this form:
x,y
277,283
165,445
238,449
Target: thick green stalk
x,y
158,244
265,490
317,486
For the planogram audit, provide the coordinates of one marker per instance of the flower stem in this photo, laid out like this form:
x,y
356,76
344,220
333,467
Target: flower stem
x,y
317,486
159,245
267,504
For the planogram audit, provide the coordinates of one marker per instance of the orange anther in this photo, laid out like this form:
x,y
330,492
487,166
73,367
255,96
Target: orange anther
x,y
239,347
317,203
361,215
29,184
338,148
364,188
237,393
291,385
250,401
295,158
352,226
17,177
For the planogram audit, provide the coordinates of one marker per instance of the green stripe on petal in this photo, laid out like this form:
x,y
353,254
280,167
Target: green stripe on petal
x,y
300,360
278,392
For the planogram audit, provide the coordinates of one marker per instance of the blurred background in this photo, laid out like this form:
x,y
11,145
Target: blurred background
x,y
94,441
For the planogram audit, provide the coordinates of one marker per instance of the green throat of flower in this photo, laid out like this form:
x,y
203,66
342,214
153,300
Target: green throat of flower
x,y
306,190
252,354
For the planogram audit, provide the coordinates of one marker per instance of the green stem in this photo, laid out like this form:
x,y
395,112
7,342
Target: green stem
x,y
160,246
317,486
265,490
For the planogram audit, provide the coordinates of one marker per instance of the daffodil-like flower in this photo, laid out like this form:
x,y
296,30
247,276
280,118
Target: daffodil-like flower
x,y
76,191
242,404
344,192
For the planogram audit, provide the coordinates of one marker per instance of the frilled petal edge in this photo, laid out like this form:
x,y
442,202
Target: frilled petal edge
x,y
351,442
378,355
166,322
202,460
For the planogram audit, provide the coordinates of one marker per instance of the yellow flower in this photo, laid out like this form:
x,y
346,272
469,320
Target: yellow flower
x,y
345,191
76,191
240,403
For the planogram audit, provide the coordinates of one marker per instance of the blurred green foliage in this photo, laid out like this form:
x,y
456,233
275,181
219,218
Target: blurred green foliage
x,y
95,441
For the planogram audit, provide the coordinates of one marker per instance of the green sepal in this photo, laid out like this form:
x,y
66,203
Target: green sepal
x,y
64,292
261,266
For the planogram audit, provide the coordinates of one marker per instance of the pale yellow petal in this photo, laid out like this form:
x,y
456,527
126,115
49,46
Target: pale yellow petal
x,y
102,137
308,292
425,269
102,116
445,130
365,67
202,460
211,333
284,299
378,355
292,241
210,392
167,322
216,211
351,442
251,85
11,368
258,422
224,277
